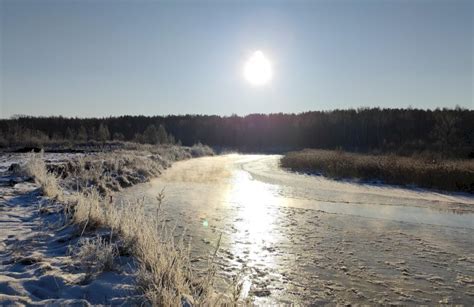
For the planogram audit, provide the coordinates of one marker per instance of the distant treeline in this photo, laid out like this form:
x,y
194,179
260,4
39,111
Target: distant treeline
x,y
403,131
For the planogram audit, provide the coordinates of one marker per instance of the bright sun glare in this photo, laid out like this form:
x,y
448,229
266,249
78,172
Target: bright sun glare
x,y
258,69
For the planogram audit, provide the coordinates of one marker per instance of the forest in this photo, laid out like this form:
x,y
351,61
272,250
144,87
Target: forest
x,y
449,132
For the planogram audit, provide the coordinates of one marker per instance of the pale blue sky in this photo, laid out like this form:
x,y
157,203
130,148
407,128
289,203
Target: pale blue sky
x,y
104,57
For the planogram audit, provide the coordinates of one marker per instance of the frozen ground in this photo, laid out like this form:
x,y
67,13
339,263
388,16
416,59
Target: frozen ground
x,y
36,265
293,238
299,238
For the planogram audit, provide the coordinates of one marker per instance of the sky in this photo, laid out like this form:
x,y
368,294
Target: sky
x,y
106,58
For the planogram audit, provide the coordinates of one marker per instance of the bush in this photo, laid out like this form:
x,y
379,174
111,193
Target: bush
x,y
199,150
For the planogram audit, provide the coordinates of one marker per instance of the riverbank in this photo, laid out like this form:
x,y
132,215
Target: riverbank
x,y
309,240
43,259
448,175
68,243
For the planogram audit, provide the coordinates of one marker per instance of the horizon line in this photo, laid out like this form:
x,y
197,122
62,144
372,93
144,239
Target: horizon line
x,y
456,108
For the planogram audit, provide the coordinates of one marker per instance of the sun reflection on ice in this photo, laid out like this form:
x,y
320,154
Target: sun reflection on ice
x,y
253,201
254,233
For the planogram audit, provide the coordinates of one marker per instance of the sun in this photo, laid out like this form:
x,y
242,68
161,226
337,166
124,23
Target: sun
x,y
258,69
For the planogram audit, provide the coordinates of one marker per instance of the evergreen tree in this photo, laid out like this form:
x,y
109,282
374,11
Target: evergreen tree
x,y
3,140
150,135
82,134
103,133
171,139
162,135
70,134
92,134
445,130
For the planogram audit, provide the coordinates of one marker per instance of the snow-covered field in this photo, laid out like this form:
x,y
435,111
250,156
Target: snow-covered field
x,y
38,265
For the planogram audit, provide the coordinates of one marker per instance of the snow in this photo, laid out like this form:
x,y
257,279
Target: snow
x,y
36,266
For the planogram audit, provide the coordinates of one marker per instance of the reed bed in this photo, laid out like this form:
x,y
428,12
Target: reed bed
x,y
442,174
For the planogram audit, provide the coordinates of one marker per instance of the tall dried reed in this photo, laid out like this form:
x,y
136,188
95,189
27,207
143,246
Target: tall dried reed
x,y
450,175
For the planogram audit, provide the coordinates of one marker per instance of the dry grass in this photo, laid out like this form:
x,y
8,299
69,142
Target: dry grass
x,y
88,209
114,170
165,275
96,254
450,175
36,168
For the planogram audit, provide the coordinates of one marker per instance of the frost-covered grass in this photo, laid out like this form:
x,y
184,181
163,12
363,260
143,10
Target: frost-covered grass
x,y
451,175
114,170
36,168
165,275
96,254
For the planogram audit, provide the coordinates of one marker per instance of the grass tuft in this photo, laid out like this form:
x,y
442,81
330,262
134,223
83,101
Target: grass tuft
x,y
97,254
36,168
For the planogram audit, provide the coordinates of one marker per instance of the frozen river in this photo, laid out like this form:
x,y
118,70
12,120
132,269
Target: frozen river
x,y
307,239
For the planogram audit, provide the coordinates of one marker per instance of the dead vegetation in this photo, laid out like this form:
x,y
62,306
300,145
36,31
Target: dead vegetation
x,y
165,275
115,170
96,254
427,172
36,168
